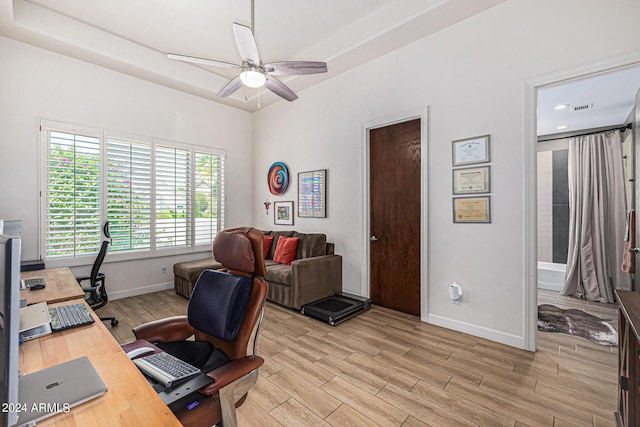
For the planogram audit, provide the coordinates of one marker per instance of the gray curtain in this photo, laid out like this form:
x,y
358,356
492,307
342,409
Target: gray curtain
x,y
597,211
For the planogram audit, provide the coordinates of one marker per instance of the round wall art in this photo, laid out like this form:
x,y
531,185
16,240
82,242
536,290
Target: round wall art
x,y
278,178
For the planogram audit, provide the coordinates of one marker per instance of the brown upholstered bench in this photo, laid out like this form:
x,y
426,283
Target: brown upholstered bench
x,y
186,273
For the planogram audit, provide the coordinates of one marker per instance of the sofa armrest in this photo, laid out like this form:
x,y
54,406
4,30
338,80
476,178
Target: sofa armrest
x,y
175,328
315,278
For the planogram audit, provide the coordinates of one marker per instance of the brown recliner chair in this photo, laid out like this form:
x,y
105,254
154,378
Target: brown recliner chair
x,y
221,334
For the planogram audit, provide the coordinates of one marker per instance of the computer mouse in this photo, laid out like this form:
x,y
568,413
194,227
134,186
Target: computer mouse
x,y
37,287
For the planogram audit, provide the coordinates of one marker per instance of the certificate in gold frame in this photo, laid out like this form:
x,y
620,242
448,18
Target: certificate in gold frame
x,y
475,210
471,150
471,180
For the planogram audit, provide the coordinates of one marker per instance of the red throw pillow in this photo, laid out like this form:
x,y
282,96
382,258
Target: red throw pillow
x,y
268,241
286,250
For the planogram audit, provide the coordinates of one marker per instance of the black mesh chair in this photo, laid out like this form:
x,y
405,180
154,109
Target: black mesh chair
x,y
96,293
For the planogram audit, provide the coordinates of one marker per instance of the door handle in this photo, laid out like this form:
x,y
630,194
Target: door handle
x,y
634,250
374,238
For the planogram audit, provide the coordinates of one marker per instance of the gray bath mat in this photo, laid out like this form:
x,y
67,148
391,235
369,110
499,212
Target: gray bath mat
x,y
576,322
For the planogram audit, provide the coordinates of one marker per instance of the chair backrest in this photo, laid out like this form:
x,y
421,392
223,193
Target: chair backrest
x,y
241,251
98,262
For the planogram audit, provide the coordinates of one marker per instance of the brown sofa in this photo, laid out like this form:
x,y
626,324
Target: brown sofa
x,y
315,273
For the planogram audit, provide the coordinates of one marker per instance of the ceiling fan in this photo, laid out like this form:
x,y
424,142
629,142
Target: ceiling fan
x,y
253,72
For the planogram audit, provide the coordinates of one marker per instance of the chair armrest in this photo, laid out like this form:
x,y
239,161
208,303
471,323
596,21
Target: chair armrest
x,y
175,328
315,278
82,279
230,372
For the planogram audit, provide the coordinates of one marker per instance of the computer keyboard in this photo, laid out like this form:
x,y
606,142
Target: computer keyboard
x,y
165,368
34,283
69,316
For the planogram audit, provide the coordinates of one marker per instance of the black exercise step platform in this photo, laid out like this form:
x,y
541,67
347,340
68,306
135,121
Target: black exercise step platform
x,y
337,308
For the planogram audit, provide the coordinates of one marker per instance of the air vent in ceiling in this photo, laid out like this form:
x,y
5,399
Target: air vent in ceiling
x,y
582,107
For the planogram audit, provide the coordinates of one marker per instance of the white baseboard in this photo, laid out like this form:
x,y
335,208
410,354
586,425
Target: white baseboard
x,y
478,331
140,291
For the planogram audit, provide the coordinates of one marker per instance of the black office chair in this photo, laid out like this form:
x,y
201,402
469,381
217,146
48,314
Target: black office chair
x,y
96,293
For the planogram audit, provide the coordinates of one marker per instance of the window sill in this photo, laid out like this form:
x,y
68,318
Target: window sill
x,y
124,257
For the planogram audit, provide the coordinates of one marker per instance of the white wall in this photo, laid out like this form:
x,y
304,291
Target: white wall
x,y
36,83
471,76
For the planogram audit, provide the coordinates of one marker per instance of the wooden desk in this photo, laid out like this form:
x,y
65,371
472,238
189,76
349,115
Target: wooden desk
x,y
129,401
61,286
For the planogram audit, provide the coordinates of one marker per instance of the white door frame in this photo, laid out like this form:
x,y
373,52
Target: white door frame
x,y
421,113
530,177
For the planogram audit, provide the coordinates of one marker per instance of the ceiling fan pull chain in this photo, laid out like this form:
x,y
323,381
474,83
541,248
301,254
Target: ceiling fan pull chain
x,y
259,97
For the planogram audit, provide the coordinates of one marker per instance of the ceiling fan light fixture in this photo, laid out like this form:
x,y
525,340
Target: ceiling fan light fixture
x,y
253,78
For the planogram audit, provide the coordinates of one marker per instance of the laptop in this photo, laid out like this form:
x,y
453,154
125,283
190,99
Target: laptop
x,y
35,321
57,389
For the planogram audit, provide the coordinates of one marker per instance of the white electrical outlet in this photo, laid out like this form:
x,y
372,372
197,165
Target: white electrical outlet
x,y
164,268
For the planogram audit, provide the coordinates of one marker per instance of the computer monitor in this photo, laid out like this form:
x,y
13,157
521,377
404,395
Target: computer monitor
x,y
9,327
11,227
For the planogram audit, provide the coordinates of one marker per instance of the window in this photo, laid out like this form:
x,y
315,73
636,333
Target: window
x,y
157,195
73,195
129,194
173,197
209,188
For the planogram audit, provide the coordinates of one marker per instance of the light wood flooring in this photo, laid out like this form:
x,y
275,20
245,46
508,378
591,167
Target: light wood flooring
x,y
387,368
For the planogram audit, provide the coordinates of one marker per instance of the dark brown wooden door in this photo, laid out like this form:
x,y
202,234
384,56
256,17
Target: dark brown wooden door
x,y
394,177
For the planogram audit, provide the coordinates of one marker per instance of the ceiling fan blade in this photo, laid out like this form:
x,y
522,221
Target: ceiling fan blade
x,y
230,87
203,61
287,68
246,43
280,89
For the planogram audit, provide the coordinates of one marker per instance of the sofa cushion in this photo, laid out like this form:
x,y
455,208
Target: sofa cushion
x,y
191,270
276,235
280,273
286,250
268,241
311,244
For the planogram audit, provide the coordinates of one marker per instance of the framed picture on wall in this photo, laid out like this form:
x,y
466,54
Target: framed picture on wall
x,y
471,209
471,150
312,194
283,213
471,180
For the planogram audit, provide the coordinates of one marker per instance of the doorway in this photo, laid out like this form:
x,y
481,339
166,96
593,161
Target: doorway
x,y
531,168
395,211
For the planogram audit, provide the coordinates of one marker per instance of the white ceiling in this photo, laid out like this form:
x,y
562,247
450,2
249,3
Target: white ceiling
x,y
133,36
608,97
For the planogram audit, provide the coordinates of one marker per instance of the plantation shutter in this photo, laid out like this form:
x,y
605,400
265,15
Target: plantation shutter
x,y
72,194
173,197
209,196
129,194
